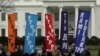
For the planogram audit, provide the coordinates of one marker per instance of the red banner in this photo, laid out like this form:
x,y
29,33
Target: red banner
x,y
49,32
11,32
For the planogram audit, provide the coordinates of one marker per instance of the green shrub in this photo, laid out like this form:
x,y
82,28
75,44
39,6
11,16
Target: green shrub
x,y
93,41
40,40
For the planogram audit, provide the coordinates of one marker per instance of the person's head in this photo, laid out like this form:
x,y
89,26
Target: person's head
x,y
26,54
13,54
21,47
1,45
32,54
72,46
16,49
8,53
49,53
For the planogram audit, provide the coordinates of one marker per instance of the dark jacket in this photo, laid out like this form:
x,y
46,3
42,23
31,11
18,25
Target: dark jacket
x,y
26,54
2,53
71,52
43,52
99,52
87,53
77,54
49,54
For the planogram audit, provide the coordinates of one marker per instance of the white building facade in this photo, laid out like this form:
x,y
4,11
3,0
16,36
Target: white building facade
x,y
54,7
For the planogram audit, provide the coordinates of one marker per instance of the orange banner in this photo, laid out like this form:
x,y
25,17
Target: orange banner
x,y
11,32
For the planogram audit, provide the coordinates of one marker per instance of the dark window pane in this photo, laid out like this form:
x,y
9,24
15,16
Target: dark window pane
x,y
39,16
3,16
38,32
2,32
57,32
56,17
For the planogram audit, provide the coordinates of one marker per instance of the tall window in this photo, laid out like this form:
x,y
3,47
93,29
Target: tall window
x,y
38,32
39,16
3,15
57,32
56,16
2,32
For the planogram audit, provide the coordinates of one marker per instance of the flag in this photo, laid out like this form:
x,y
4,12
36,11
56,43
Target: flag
x,y
11,32
82,30
30,33
64,32
50,38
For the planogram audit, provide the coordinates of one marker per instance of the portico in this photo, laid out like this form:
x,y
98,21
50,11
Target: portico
x,y
73,9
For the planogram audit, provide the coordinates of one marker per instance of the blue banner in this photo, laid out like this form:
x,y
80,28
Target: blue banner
x,y
64,32
82,31
30,33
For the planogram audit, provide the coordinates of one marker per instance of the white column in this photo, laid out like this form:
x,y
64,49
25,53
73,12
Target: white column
x,y
92,21
76,19
0,24
43,19
60,10
21,23
6,22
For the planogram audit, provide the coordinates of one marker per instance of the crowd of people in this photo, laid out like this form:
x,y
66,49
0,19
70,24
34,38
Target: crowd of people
x,y
19,52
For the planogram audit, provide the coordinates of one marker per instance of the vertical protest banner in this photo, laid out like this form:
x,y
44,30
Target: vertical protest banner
x,y
82,31
11,32
49,32
30,33
64,32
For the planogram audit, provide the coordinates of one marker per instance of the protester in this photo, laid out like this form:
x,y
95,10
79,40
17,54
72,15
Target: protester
x,y
2,52
77,54
62,54
13,54
49,54
43,50
99,52
71,51
87,53
26,54
8,53
16,53
58,52
20,50
32,54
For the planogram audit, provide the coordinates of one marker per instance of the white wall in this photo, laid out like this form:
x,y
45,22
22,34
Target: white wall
x,y
22,7
21,23
97,21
